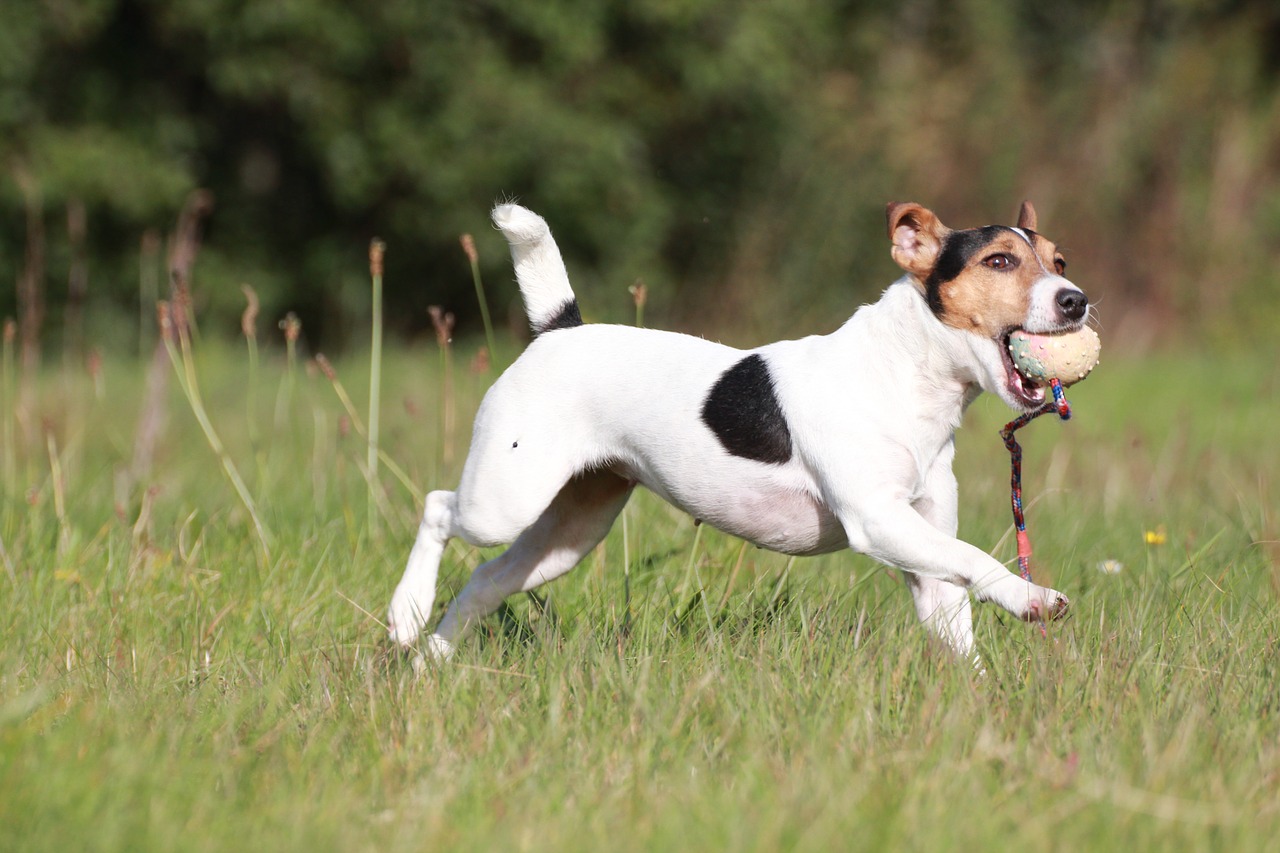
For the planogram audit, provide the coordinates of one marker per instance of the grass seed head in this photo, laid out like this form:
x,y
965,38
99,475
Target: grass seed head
x,y
639,293
443,322
326,368
164,318
292,327
249,319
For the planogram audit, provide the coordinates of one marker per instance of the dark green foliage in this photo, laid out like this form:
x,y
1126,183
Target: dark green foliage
x,y
728,154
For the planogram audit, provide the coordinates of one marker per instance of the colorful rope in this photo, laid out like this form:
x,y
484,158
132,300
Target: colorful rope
x,y
1060,405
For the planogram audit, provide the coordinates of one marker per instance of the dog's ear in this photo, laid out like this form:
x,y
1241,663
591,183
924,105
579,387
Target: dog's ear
x,y
1027,216
917,237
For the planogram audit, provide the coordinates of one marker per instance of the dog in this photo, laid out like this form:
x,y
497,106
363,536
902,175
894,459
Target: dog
x,y
804,447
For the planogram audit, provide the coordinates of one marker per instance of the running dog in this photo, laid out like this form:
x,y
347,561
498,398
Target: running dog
x,y
805,447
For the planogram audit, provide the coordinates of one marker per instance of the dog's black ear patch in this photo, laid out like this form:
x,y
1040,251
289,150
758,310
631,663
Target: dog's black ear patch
x,y
742,410
566,318
954,256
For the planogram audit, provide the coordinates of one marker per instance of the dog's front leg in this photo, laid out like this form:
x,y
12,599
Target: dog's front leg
x,y
895,533
943,607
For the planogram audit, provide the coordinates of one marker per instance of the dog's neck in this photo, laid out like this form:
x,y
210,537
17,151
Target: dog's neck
x,y
935,365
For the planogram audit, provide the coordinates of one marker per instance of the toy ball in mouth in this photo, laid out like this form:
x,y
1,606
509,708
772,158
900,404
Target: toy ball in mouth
x,y
1066,357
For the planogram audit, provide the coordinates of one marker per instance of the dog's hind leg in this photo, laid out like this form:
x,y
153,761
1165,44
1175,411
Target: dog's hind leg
x,y
571,526
411,605
498,499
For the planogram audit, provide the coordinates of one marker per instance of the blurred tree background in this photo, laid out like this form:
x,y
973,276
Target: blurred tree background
x,y
735,156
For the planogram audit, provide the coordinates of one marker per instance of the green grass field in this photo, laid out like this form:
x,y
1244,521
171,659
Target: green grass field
x,y
167,685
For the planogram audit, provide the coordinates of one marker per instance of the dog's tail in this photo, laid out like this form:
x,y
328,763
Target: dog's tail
x,y
544,283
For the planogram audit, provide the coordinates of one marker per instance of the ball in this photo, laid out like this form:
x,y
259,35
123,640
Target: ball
x,y
1066,357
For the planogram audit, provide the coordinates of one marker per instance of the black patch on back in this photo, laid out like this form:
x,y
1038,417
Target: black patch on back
x,y
955,255
566,318
742,410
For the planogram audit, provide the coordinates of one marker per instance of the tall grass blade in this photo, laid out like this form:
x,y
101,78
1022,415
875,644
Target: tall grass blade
x,y
58,479
639,296
77,283
31,279
148,288
184,246
7,408
184,369
473,258
443,321
376,250
249,328
292,328
8,562
332,375
626,578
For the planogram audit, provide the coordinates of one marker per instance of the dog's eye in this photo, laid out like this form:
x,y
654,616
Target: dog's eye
x,y
1060,265
999,262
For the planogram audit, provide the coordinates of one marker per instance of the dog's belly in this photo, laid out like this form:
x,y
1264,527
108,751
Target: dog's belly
x,y
792,523
772,515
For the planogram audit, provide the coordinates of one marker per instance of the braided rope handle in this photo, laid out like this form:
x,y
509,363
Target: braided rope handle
x,y
1059,405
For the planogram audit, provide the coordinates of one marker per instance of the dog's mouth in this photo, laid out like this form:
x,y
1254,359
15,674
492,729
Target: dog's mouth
x,y
1021,387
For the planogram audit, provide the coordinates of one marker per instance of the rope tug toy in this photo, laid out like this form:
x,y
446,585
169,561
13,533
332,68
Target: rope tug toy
x,y
1060,361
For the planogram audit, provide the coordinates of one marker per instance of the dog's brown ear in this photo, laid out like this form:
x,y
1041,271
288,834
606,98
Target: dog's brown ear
x,y
917,236
1027,216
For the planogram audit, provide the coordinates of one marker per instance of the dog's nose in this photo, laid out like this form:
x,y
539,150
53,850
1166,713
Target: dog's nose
x,y
1073,303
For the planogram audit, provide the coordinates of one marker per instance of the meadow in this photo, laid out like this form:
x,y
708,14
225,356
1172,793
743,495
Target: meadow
x,y
172,678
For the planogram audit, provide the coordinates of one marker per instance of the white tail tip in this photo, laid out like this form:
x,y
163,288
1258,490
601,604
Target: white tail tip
x,y
519,224
544,283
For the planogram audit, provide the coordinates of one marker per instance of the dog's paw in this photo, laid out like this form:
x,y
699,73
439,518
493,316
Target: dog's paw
x,y
404,619
435,650
1026,601
1045,605
438,648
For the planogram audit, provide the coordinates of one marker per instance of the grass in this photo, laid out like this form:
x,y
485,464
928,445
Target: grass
x,y
164,686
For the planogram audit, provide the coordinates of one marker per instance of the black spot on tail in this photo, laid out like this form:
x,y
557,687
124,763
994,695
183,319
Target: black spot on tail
x,y
566,318
955,255
742,410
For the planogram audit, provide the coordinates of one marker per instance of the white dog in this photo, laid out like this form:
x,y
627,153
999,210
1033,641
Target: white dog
x,y
804,447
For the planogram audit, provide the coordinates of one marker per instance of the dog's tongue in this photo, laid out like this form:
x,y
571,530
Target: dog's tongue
x,y
1030,388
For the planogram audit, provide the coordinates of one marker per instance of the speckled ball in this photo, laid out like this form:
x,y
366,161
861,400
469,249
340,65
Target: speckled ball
x,y
1066,357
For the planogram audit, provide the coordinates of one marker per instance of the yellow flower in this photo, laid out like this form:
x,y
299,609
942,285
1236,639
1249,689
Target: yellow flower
x,y
1156,537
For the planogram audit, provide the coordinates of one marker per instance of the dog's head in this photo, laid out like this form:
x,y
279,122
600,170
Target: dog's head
x,y
989,282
